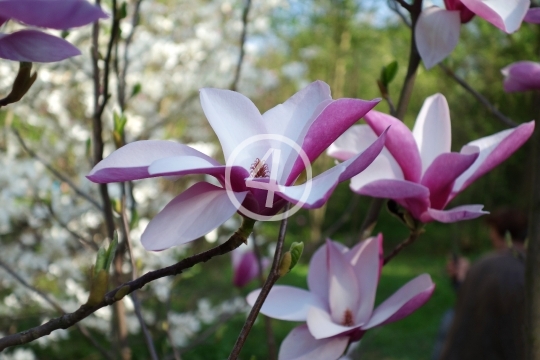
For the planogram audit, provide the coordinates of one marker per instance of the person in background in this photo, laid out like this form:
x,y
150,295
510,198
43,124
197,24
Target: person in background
x,y
488,321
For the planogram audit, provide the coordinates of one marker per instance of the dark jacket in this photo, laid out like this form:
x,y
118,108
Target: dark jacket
x,y
489,316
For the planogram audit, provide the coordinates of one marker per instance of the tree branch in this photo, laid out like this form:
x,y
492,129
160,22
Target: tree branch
x,y
84,331
273,276
134,297
67,320
481,99
56,173
245,14
412,238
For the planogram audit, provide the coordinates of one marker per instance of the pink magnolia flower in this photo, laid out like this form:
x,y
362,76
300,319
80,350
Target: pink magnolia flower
x,y
417,168
533,16
338,308
437,30
37,46
310,119
245,265
521,76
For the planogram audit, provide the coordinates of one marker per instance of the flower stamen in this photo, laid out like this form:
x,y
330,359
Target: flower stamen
x,y
259,169
348,318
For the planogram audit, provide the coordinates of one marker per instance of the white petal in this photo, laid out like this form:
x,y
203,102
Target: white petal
x,y
436,34
432,130
235,119
403,302
507,15
286,302
190,215
301,345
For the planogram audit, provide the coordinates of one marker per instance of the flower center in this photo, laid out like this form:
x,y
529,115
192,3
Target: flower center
x,y
259,169
348,318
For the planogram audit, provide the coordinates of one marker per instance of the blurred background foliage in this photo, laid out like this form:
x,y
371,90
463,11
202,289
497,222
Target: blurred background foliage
x,y
342,42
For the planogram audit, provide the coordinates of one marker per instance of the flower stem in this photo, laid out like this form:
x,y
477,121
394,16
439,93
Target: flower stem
x,y
273,276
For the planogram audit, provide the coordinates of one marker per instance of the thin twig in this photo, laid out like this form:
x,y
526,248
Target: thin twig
x,y
99,106
76,235
481,99
121,74
70,319
270,339
395,7
57,307
134,297
202,337
405,5
55,172
245,14
273,276
412,238
404,99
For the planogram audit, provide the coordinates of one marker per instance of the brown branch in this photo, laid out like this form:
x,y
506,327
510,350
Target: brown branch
x,y
273,276
82,239
245,14
412,238
55,172
404,99
481,99
99,106
84,331
270,339
134,297
70,319
405,5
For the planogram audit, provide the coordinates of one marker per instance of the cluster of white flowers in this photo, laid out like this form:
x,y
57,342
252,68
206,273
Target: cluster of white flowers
x,y
48,234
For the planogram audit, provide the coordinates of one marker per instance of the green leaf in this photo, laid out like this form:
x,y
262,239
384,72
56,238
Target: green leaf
x,y
100,260
388,73
136,89
296,252
122,13
111,251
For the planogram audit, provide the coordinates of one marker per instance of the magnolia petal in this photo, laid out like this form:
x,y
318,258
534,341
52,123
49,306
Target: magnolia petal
x,y
532,16
441,174
507,15
399,141
235,119
317,278
366,263
337,117
354,141
343,290
432,130
521,76
315,193
35,46
293,118
436,34
403,302
185,165
465,14
190,215
59,14
392,189
301,345
322,326
246,269
286,302
131,161
465,212
494,149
